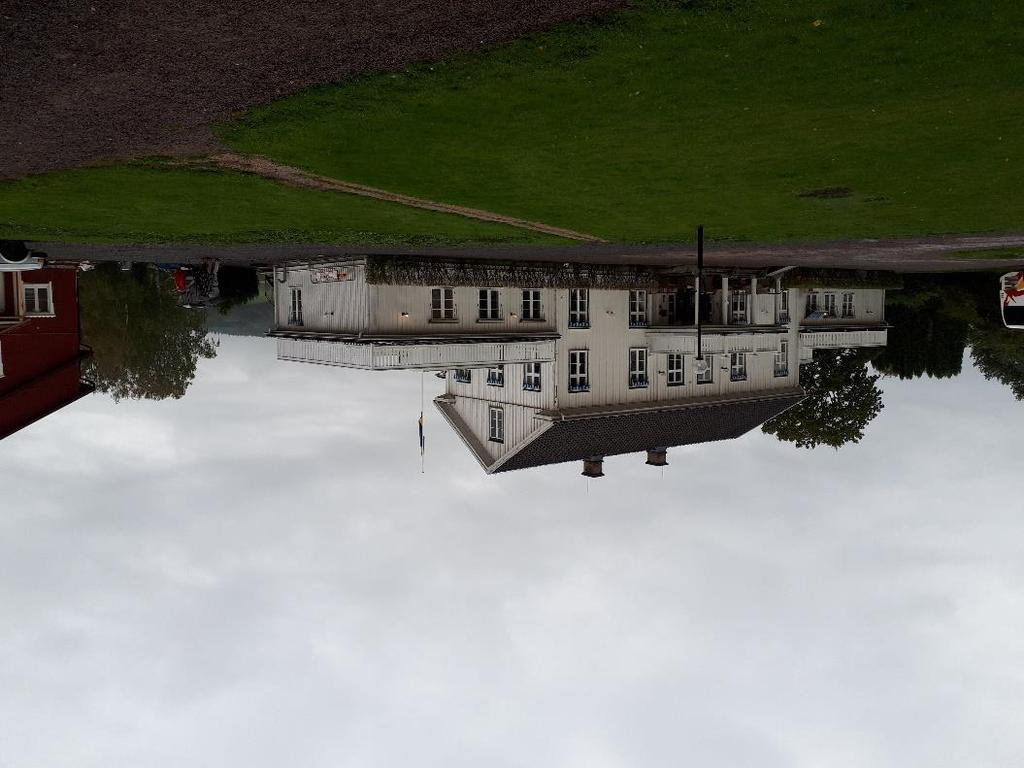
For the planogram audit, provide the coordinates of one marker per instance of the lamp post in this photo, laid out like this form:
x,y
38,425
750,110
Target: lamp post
x,y
700,365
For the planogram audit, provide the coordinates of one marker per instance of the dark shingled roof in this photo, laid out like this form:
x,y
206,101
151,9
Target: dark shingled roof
x,y
580,438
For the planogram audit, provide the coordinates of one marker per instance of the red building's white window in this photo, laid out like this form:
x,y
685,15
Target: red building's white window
x,y
38,300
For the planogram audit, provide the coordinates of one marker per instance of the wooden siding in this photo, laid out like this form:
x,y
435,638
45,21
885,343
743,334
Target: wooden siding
x,y
383,356
328,307
512,392
868,305
520,424
388,302
609,339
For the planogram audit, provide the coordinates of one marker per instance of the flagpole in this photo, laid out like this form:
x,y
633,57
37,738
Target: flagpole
x,y
423,468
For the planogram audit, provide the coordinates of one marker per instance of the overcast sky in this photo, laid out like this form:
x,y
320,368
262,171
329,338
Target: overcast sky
x,y
258,575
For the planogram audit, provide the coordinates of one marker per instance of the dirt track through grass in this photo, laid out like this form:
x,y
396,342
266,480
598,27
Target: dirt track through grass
x,y
297,177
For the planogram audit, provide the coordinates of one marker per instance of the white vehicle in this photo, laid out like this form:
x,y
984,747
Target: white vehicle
x,y
14,257
1011,299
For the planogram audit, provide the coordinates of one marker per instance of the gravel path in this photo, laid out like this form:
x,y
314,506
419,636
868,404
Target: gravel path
x,y
85,80
901,255
297,177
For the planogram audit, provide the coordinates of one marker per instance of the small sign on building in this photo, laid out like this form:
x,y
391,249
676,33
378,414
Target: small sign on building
x,y
319,275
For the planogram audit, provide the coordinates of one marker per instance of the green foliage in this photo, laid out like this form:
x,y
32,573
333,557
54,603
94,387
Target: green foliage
x,y
145,345
999,354
151,204
935,318
925,339
747,117
842,399
238,285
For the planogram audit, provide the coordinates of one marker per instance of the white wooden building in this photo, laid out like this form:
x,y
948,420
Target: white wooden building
x,y
543,375
329,314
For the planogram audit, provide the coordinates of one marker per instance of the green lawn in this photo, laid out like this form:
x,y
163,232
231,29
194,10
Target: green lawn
x,y
1010,254
147,204
764,120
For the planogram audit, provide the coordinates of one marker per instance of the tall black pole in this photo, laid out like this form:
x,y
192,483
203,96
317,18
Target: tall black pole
x,y
700,282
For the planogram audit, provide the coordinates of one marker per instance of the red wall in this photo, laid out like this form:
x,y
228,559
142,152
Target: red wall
x,y
46,342
40,358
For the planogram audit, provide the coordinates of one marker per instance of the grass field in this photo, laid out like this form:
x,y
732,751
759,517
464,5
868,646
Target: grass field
x,y
1011,254
148,204
765,121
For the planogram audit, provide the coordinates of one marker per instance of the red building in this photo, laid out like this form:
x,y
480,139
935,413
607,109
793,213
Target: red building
x,y
41,351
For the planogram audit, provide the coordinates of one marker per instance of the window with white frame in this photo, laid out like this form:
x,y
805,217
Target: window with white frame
x,y
463,375
829,304
738,307
531,377
579,371
532,309
671,307
812,303
38,300
848,309
442,303
496,424
674,373
784,306
579,308
490,304
738,366
637,367
637,309
496,376
782,359
706,375
295,307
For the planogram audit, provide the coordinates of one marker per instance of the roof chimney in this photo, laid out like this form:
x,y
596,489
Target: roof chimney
x,y
592,467
657,457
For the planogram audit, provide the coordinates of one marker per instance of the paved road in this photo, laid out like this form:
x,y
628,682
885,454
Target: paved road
x,y
928,254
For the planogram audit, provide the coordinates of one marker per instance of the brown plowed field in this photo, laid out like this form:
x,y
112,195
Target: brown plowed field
x,y
86,80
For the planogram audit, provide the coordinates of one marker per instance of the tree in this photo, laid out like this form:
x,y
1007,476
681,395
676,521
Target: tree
x,y
925,339
238,286
842,399
145,345
998,352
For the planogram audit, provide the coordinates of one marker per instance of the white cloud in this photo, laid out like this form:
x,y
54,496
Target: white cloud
x,y
259,575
